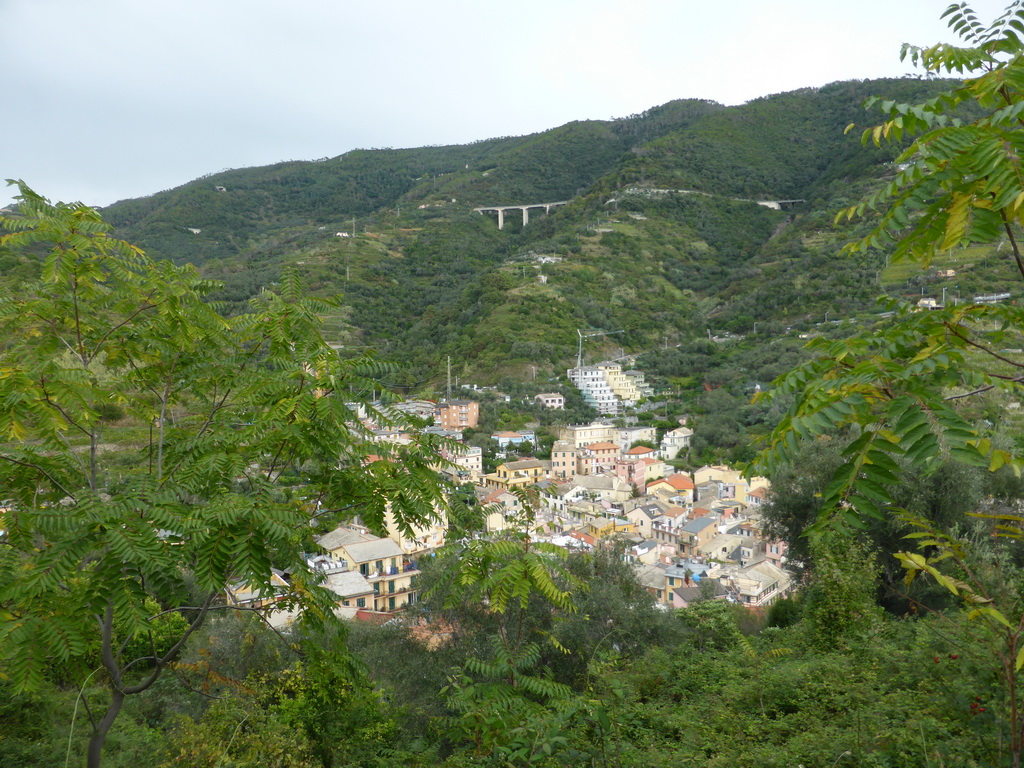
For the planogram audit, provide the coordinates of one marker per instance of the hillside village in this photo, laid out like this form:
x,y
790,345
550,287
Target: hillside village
x,y
688,536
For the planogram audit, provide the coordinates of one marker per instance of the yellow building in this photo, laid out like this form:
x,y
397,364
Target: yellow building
x,y
391,574
624,387
734,484
602,527
425,538
517,474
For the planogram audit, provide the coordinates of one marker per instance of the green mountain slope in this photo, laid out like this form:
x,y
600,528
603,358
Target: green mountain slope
x,y
661,239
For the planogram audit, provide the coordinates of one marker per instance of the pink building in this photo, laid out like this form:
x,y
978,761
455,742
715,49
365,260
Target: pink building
x,y
597,457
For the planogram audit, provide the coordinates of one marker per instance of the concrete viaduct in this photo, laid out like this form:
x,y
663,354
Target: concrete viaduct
x,y
500,210
778,205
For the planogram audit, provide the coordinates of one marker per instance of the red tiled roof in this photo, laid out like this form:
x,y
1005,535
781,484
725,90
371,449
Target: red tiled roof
x,y
680,482
602,446
639,450
586,538
372,616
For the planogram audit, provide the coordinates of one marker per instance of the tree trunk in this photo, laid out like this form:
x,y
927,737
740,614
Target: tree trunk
x,y
99,733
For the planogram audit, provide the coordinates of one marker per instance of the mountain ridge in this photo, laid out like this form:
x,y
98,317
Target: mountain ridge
x,y
423,277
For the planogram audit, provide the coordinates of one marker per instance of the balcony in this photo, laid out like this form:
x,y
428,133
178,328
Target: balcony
x,y
409,566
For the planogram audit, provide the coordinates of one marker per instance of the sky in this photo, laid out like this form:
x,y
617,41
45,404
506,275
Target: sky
x,y
111,99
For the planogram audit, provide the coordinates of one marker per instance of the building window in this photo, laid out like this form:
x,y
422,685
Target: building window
x,y
391,603
360,602
391,587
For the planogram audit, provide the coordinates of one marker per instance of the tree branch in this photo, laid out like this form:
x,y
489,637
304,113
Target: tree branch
x,y
1013,242
41,471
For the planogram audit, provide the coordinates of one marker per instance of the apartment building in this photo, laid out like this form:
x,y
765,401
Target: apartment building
x,y
607,388
457,414
581,435
390,573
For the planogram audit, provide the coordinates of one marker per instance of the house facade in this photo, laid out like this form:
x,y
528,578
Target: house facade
x,y
563,459
391,574
517,474
583,434
457,414
552,400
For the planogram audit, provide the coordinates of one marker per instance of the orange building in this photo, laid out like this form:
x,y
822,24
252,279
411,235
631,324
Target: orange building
x,y
457,414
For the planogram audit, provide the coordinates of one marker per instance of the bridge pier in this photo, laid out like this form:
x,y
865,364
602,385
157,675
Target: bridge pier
x,y
500,210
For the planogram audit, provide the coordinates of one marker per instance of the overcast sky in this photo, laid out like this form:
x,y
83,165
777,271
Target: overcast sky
x,y
109,99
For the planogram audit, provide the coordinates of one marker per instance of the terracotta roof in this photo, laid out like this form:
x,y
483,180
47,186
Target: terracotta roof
x,y
495,496
639,450
584,537
372,616
678,481
506,434
602,446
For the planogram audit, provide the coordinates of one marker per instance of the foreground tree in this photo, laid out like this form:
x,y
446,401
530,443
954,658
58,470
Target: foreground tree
x,y
901,393
507,705
142,441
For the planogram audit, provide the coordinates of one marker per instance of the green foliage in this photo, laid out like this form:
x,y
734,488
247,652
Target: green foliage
x,y
840,606
507,706
902,394
899,384
711,625
423,276
98,555
960,184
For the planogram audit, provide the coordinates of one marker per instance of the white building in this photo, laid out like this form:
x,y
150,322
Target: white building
x,y
607,388
674,441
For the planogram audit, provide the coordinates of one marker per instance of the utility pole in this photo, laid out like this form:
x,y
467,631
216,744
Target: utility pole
x,y
579,354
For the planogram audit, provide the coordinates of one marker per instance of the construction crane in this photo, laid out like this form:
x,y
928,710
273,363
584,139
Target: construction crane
x,y
587,335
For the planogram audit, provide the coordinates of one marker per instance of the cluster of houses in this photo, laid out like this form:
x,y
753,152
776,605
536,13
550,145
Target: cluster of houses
x,y
689,537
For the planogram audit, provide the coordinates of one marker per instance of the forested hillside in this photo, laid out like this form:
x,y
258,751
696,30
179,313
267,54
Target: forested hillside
x,y
661,238
173,450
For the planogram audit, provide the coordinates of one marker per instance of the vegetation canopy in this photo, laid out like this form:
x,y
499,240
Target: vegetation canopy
x,y
909,395
145,444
